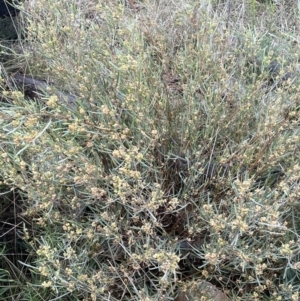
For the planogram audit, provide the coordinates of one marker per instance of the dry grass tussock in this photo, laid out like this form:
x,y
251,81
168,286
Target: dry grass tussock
x,y
177,166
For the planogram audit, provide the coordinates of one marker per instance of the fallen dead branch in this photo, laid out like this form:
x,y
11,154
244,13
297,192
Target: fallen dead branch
x,y
35,89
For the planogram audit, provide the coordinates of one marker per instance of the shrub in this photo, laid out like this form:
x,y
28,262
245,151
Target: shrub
x,y
179,162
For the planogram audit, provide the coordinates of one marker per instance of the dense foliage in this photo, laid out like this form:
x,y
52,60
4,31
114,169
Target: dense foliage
x,y
177,164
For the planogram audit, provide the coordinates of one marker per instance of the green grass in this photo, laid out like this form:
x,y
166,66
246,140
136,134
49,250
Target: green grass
x,y
178,166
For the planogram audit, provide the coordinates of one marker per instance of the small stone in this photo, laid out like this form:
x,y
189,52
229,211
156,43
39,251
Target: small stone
x,y
200,290
274,68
